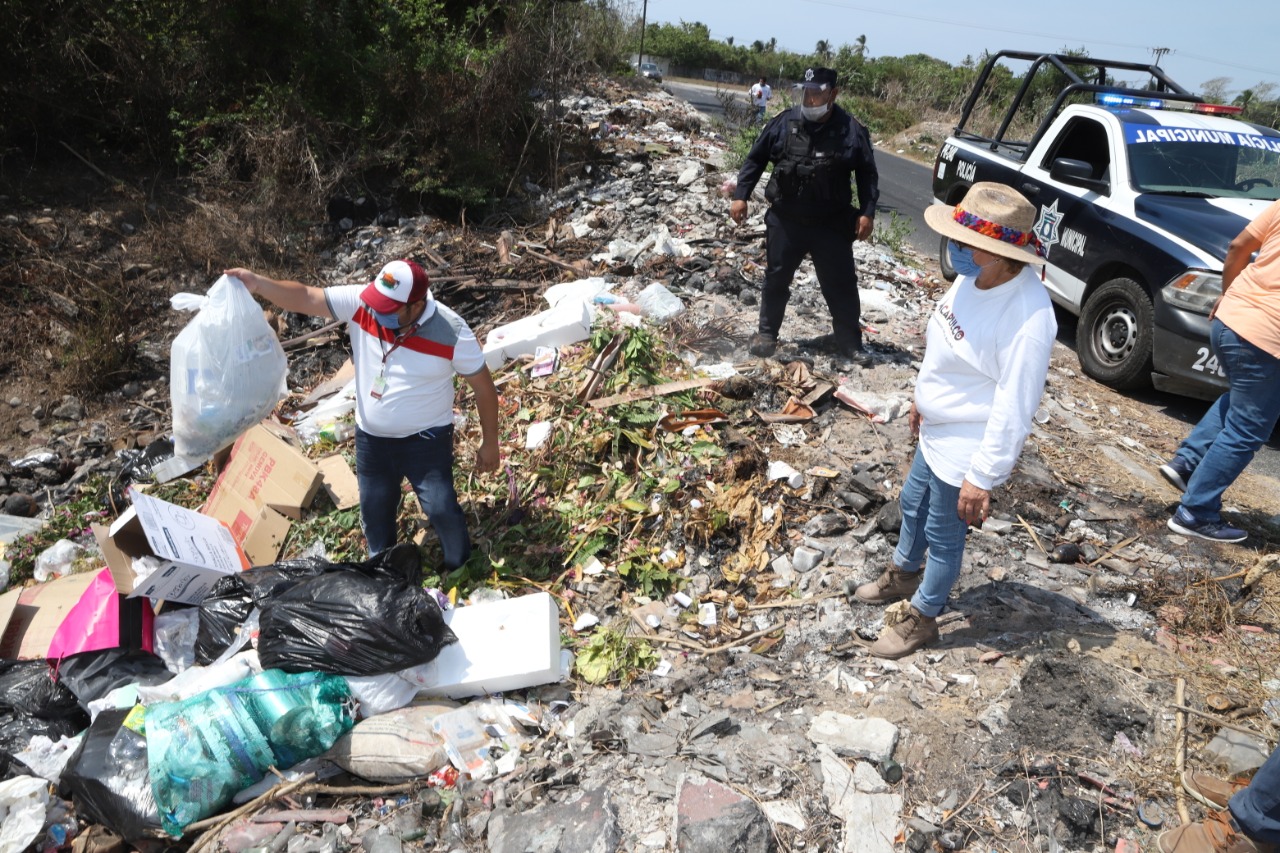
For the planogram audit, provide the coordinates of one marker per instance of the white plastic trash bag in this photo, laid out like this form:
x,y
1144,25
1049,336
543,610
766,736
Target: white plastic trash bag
x,y
659,304
226,369
23,800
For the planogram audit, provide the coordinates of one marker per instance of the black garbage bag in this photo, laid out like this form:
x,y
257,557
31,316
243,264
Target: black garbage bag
x,y
32,703
372,619
109,779
92,675
11,767
28,687
17,729
233,598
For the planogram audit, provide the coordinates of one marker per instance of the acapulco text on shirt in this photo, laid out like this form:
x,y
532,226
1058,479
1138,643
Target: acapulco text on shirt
x,y
944,311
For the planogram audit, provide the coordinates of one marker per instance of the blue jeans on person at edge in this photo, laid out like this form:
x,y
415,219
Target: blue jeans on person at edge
x,y
426,460
1257,807
930,522
1230,433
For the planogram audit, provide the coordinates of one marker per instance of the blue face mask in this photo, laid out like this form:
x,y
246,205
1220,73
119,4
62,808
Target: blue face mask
x,y
962,260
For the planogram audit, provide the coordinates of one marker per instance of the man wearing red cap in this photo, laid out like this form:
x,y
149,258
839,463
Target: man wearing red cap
x,y
406,348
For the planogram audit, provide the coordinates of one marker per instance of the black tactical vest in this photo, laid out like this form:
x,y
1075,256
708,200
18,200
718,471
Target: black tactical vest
x,y
810,177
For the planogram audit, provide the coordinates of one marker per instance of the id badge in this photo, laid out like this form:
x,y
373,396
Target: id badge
x,y
379,387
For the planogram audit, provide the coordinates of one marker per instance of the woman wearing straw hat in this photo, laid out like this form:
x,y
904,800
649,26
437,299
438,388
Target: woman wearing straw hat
x,y
986,356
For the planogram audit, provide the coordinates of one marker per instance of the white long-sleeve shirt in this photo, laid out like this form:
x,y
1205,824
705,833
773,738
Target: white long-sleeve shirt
x,y
985,361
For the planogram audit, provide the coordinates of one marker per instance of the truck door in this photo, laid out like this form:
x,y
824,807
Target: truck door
x,y
1074,223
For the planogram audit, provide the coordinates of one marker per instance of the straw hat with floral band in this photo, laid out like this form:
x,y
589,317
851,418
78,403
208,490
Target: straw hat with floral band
x,y
993,218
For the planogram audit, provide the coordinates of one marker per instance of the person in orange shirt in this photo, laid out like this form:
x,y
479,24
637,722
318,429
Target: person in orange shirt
x,y
1245,334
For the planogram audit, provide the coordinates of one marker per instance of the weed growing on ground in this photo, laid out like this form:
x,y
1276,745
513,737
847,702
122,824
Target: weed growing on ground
x,y
69,521
611,655
893,233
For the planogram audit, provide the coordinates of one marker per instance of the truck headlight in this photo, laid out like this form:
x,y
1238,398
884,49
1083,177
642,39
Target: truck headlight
x,y
1194,290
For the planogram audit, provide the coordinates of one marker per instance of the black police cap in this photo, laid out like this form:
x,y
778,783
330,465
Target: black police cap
x,y
819,78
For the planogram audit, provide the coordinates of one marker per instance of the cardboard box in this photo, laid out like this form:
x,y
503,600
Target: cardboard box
x,y
567,323
76,613
340,481
195,550
266,482
502,645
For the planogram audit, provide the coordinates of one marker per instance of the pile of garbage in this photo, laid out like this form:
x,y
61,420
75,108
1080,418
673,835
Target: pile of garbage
x,y
653,647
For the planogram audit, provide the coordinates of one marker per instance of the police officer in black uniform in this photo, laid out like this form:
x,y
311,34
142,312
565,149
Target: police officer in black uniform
x,y
815,147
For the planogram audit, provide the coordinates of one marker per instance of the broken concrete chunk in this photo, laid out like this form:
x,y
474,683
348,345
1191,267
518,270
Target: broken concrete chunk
x,y
806,559
998,526
587,823
829,523
867,780
711,818
871,738
871,821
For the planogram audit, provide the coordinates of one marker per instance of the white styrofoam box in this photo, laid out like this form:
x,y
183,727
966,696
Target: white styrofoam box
x,y
567,323
502,645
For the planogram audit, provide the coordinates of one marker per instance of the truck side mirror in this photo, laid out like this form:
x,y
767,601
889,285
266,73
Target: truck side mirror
x,y
1077,173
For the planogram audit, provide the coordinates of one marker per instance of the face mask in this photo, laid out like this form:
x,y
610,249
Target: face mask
x,y
814,113
962,260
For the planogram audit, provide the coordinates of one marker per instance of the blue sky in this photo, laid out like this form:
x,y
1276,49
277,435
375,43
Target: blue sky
x,y
1226,38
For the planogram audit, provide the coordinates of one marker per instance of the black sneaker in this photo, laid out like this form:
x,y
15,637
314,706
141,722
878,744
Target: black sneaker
x,y
763,344
1215,531
1177,472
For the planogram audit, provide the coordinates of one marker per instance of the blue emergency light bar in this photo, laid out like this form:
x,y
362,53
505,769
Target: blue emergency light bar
x,y
1112,99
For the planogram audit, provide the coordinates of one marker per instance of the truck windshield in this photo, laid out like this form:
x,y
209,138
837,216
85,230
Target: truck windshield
x,y
1194,161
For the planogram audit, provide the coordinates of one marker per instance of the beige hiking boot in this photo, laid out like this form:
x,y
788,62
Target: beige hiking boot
x,y
900,640
1210,790
1219,833
893,585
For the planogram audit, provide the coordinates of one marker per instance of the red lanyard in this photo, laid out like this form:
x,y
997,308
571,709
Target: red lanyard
x,y
399,339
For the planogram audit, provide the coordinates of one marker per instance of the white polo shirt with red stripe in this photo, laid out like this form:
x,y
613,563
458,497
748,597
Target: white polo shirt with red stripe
x,y
418,371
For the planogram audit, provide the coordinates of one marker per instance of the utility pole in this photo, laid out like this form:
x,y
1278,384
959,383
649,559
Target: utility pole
x,y
644,15
1159,53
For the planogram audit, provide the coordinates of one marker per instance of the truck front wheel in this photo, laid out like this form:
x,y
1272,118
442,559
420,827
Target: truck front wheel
x,y
944,262
1113,338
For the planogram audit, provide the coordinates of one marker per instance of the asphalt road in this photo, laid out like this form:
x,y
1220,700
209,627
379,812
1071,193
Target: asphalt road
x,y
905,188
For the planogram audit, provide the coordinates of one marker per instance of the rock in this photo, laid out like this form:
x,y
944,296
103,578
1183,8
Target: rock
x,y
711,818
828,523
20,504
867,780
889,518
70,409
871,821
806,559
865,483
586,822
998,526
994,719
690,174
786,813
871,738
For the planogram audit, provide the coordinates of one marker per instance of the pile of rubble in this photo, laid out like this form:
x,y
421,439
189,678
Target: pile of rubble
x,y
689,520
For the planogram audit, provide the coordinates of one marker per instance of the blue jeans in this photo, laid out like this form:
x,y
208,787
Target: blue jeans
x,y
1257,807
1230,433
426,459
930,522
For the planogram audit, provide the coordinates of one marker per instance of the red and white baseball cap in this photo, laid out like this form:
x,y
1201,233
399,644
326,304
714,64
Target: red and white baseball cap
x,y
398,284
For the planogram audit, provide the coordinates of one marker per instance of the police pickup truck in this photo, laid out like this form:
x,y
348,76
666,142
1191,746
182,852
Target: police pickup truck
x,y
1139,188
